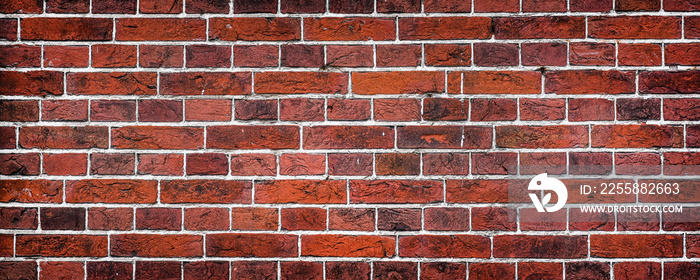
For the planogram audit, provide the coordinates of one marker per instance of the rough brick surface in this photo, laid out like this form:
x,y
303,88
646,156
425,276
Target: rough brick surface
x,y
348,139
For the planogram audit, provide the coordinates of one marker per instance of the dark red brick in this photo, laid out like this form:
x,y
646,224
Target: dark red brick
x,y
158,218
208,56
398,219
112,164
63,218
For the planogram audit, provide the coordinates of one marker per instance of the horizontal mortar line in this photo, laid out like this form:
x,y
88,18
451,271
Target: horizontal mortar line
x,y
343,70
353,178
312,124
436,41
511,205
358,259
301,233
343,151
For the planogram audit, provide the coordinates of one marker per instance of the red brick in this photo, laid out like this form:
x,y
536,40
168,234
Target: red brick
x,y
249,270
638,109
205,191
478,191
253,164
64,110
681,221
682,54
349,29
100,218
61,137
501,82
445,164
591,109
634,27
443,270
581,221
202,7
67,29
349,56
32,83
208,56
62,270
542,109
496,54
444,137
492,271
494,163
637,270
543,54
397,164
206,219
19,111
398,6
254,218
592,54
539,28
208,110
395,191
253,137
636,136
500,109
66,56
347,246
111,191
301,82
669,82
494,218
350,164
638,222
158,270
207,164
447,6
555,136
21,270
636,246
448,55
252,245
445,109
692,248
536,163
531,220
157,137
302,56
155,56
21,7
399,219
158,218
682,109
681,163
155,245
397,109
7,137
681,5
351,6
639,54
114,7
160,29
112,164
20,56
301,191
590,163
348,270
303,218
540,246
20,218
302,109
446,219
61,6
589,82
394,269
301,270
110,56
302,164
544,5
444,28
255,29
205,83
542,270
113,110
109,270
214,270
20,164
302,6
160,164
644,5
257,109
351,219
62,218
349,109
590,5
486,6
257,6
113,83
8,29
398,55
61,245
160,7
692,27
348,137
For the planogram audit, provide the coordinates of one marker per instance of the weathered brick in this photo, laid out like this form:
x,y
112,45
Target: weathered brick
x,y
636,136
301,82
112,56
67,29
157,137
556,136
501,82
399,219
32,83
62,270
66,56
301,191
634,27
63,218
539,27
348,137
639,54
251,245
444,28
111,191
61,245
206,83
636,246
255,29
114,83
303,218
395,191
254,218
20,56
334,245
160,29
155,245
100,218
492,270
205,191
669,82
18,218
533,246
200,56
158,218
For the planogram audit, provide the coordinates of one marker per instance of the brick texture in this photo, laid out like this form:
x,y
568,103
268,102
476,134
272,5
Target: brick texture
x,y
347,139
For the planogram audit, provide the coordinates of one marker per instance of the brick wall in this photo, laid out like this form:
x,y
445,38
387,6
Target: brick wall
x,y
339,139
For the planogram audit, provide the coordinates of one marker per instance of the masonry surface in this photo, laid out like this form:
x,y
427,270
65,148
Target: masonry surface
x,y
339,139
